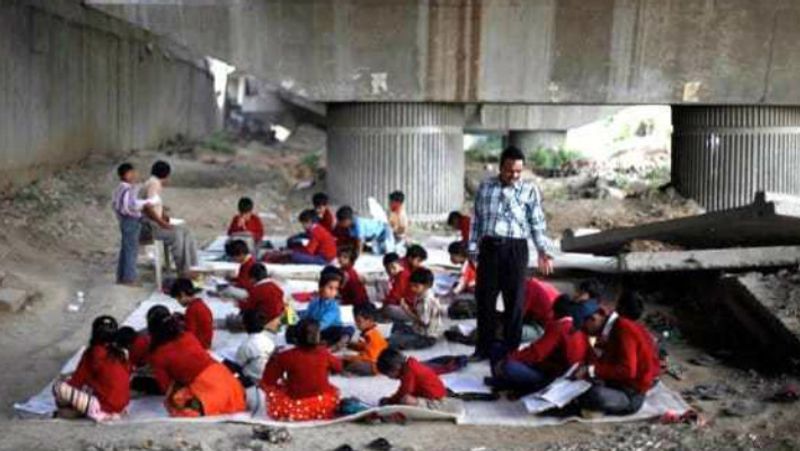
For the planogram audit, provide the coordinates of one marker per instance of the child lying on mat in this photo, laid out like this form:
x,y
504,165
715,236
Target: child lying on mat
x,y
325,310
420,386
295,381
100,387
369,345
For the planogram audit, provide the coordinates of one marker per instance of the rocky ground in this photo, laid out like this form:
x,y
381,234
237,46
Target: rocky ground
x,y
59,236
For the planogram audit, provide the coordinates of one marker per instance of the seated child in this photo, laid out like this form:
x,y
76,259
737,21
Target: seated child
x,y
425,312
399,275
323,210
295,381
238,252
625,370
100,387
197,318
416,256
321,247
535,366
325,310
247,222
468,276
366,231
254,352
369,346
538,311
398,219
419,385
195,384
139,355
353,291
461,223
265,296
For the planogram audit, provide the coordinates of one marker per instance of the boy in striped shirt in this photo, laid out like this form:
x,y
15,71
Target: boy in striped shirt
x,y
128,208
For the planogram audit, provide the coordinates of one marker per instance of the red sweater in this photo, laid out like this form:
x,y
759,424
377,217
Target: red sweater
x,y
353,291
539,299
200,321
399,288
343,237
242,279
557,350
327,221
107,376
139,354
304,372
180,360
464,224
253,225
321,243
266,296
419,381
629,356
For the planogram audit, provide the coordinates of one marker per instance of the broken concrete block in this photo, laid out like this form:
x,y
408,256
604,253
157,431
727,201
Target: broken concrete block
x,y
11,299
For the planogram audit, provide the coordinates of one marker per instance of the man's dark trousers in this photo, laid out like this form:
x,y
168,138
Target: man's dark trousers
x,y
502,267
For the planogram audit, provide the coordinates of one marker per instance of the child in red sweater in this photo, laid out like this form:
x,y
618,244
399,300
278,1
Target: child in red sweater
x,y
323,210
458,221
624,365
100,387
468,275
195,384
238,252
264,295
296,382
321,247
247,222
353,291
197,317
399,291
420,386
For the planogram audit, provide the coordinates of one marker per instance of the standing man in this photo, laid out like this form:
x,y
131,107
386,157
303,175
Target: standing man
x,y
178,238
508,212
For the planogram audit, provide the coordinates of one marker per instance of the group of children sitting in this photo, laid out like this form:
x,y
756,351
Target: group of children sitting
x,y
171,357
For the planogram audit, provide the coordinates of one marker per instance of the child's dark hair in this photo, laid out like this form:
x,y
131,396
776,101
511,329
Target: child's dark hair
x,y
307,333
457,248
349,252
329,274
366,311
416,251
254,321
258,272
390,258
390,361
422,276
319,200
631,305
157,311
344,213
511,153
123,169
453,218
163,329
182,286
245,205
307,216
397,196
591,287
104,329
563,306
236,248
125,337
161,169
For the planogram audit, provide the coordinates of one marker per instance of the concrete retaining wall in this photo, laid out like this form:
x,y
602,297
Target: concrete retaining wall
x,y
75,81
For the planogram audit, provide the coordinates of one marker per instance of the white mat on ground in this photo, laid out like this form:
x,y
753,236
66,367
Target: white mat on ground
x,y
370,389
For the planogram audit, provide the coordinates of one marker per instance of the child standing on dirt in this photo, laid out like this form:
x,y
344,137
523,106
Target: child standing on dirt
x,y
128,208
100,387
295,381
247,223
198,318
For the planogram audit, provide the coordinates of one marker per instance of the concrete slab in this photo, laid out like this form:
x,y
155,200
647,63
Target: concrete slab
x,y
771,220
711,259
12,300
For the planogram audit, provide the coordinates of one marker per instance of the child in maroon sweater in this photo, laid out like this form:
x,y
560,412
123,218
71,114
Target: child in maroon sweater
x,y
419,385
197,318
353,291
100,387
296,381
247,222
321,247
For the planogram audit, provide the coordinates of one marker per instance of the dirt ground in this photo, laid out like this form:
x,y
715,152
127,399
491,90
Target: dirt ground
x,y
59,236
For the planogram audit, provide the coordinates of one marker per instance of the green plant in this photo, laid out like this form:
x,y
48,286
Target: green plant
x,y
547,158
485,150
311,161
220,142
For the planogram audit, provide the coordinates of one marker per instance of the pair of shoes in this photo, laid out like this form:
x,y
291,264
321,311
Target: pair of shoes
x,y
379,444
274,435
